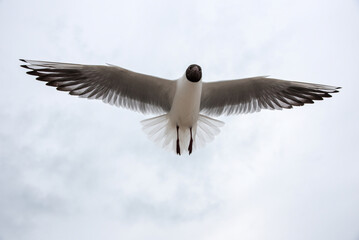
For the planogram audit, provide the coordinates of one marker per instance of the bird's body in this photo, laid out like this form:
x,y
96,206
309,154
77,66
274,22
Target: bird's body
x,y
182,102
185,107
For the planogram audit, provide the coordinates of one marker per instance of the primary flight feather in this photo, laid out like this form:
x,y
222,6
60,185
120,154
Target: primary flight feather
x,y
182,102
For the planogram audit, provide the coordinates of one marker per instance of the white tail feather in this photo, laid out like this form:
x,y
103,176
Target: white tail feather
x,y
207,129
162,131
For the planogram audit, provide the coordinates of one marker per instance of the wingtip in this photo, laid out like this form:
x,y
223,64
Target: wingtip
x,y
25,66
336,89
34,73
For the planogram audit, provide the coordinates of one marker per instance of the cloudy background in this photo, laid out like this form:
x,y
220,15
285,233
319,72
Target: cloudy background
x,y
72,168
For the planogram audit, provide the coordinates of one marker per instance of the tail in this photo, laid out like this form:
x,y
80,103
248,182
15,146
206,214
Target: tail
x,y
162,131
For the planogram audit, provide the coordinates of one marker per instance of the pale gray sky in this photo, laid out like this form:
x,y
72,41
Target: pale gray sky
x,y
73,168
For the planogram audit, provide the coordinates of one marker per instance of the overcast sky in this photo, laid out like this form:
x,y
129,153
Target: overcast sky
x,y
73,168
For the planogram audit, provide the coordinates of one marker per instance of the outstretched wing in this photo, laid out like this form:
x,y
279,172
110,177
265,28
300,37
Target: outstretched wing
x,y
110,84
253,94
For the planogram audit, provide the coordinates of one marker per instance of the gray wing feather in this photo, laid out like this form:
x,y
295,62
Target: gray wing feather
x,y
253,94
110,84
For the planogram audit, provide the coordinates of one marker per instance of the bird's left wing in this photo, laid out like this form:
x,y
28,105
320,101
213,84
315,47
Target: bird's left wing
x,y
253,94
110,84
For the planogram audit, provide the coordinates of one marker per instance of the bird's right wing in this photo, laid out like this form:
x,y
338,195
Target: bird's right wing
x,y
253,94
110,84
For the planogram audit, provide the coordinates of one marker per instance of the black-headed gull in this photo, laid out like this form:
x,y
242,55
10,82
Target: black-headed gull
x,y
181,126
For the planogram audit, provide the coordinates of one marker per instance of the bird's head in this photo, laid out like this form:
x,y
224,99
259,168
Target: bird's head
x,y
194,73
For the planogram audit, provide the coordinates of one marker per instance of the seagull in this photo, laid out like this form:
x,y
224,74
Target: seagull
x,y
183,106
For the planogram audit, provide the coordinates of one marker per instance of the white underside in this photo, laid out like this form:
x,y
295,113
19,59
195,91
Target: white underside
x,y
185,115
161,130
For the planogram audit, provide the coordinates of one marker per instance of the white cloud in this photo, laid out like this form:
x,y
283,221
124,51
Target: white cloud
x,y
72,168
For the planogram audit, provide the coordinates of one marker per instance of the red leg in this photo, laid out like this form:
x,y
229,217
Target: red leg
x,y
190,142
178,151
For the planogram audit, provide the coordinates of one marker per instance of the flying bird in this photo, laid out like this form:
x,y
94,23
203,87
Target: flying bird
x,y
183,105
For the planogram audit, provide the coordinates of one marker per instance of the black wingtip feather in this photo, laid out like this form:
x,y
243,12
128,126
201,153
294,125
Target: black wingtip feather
x,y
326,95
73,93
53,84
34,73
61,89
25,66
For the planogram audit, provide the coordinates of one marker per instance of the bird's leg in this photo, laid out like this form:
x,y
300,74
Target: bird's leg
x,y
178,151
190,142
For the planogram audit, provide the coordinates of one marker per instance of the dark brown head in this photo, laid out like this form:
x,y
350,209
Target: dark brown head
x,y
194,73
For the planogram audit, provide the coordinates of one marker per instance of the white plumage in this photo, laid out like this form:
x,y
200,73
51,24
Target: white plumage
x,y
183,103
